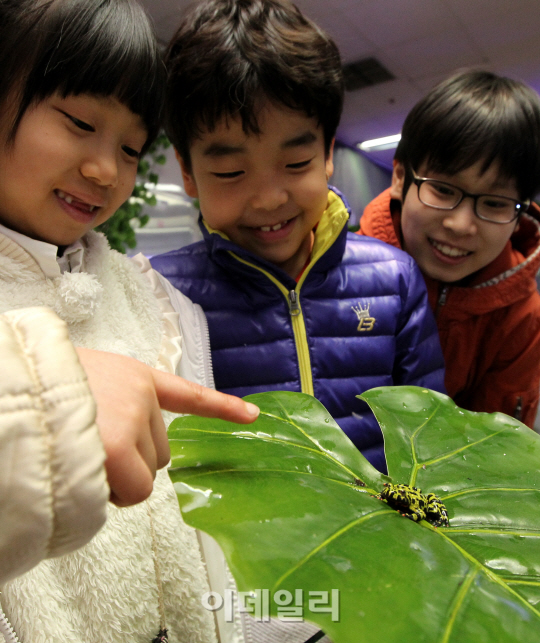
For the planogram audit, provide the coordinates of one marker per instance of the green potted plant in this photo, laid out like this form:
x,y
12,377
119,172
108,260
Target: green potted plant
x,y
119,229
297,511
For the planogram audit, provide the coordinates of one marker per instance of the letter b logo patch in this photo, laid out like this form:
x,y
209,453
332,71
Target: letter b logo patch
x,y
366,322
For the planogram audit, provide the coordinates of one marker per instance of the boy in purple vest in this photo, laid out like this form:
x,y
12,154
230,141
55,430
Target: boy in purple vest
x,y
293,301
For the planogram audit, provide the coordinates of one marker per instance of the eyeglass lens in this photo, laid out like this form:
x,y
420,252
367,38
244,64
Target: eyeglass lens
x,y
446,197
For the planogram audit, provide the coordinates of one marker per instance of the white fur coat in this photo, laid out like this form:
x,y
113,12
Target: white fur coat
x,y
108,591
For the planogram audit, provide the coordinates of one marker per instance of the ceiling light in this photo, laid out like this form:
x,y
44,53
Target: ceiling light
x,y
385,143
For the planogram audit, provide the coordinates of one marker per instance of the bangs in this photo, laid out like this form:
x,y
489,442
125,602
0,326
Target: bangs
x,y
476,117
98,47
486,134
242,98
228,57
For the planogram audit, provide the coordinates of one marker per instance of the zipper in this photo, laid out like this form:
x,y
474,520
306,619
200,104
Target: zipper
x,y
518,411
162,636
207,352
300,337
293,296
6,629
442,299
294,307
297,319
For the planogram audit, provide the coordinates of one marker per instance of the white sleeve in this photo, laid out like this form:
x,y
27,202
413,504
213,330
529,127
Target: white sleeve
x,y
196,362
191,326
53,489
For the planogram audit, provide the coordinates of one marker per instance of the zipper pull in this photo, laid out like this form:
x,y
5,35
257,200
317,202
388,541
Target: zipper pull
x,y
441,301
518,412
294,308
442,297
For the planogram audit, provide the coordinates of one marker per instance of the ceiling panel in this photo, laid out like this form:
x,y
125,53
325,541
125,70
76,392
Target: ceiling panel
x,y
474,12
367,103
419,41
390,23
434,54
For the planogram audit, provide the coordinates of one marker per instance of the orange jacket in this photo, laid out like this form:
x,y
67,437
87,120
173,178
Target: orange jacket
x,y
489,330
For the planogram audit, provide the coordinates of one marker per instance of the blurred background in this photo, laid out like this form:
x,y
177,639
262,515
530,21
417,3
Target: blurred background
x,y
393,52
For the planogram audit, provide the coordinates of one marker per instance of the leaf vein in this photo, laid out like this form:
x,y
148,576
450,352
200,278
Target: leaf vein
x,y
317,449
523,582
201,474
498,532
464,448
417,466
464,492
335,535
491,575
462,593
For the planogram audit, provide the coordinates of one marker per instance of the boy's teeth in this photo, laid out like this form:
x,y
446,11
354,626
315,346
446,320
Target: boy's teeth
x,y
449,251
274,228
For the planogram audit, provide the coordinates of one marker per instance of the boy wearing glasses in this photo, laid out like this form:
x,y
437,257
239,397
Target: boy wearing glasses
x,y
465,171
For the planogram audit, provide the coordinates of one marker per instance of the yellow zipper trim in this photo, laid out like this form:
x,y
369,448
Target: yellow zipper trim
x,y
299,329
330,226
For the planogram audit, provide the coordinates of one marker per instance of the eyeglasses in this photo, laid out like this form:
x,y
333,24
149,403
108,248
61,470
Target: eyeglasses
x,y
488,207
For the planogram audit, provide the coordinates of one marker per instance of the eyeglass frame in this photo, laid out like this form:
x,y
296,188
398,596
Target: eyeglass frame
x,y
521,206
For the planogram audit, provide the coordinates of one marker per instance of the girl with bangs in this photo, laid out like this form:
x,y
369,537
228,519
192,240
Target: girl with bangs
x,y
81,86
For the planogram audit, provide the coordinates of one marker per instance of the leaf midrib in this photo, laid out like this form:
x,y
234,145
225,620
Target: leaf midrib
x,y
317,450
412,440
199,474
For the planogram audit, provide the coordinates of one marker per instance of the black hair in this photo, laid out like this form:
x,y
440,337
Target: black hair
x,y
228,55
100,47
470,117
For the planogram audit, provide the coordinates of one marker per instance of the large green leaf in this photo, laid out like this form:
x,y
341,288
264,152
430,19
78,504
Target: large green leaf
x,y
284,498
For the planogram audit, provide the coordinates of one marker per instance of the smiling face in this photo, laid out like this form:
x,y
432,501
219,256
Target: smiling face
x,y
266,192
73,162
450,245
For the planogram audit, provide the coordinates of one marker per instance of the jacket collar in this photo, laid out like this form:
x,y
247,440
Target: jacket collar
x,y
327,251
509,278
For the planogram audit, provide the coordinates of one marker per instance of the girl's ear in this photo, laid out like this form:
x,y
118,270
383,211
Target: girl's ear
x,y
189,182
398,179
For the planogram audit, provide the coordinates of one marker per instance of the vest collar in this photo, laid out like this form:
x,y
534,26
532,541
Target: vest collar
x,y
327,251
